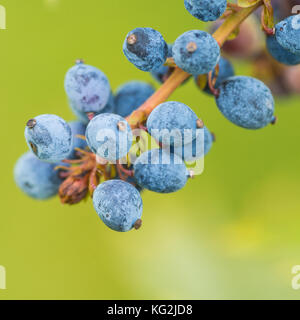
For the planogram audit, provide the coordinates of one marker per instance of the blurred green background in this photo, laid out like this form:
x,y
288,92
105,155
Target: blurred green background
x,y
233,232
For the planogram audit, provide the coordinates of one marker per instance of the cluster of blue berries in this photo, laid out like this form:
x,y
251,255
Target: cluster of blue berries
x,y
93,154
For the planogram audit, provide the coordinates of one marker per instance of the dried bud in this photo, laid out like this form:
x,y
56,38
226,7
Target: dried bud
x,y
199,124
137,224
74,189
90,115
121,126
191,47
274,120
131,39
31,123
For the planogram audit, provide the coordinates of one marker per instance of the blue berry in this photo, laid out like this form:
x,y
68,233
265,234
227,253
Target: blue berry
x,y
287,34
109,136
281,54
172,123
198,148
225,71
246,101
82,116
160,171
110,106
206,10
49,137
36,178
145,48
131,95
118,204
87,88
78,128
196,52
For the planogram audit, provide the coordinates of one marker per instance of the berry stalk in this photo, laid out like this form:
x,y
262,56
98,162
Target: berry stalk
x,y
140,115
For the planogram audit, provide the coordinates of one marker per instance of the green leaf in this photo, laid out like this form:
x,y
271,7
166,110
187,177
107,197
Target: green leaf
x,y
247,3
